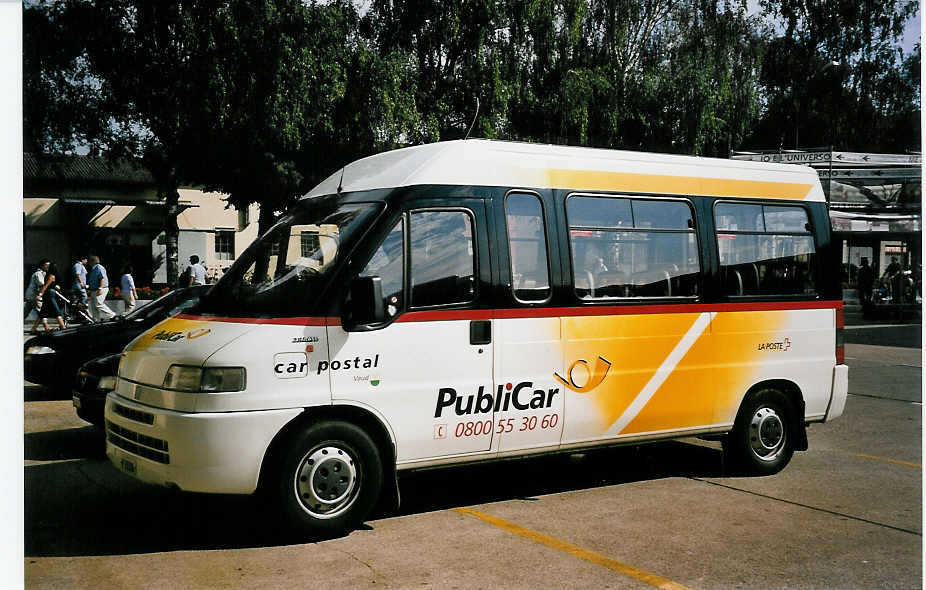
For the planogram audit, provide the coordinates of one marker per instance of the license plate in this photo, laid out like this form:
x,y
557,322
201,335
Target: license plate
x,y
76,401
128,466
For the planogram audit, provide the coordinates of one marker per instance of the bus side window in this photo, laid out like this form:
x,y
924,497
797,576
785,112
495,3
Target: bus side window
x,y
623,248
764,249
527,247
443,267
386,264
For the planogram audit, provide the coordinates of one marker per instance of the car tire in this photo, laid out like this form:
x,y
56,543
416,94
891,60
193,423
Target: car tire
x,y
763,435
328,479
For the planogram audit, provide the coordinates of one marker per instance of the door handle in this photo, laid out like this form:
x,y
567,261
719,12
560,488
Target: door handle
x,y
480,332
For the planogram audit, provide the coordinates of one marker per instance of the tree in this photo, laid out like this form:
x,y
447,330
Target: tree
x,y
64,106
152,60
835,75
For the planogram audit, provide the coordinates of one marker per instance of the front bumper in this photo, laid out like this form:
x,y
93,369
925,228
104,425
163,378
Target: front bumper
x,y
840,392
197,452
89,407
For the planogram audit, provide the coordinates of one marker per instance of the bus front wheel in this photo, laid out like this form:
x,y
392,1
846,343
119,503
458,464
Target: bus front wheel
x,y
763,435
329,479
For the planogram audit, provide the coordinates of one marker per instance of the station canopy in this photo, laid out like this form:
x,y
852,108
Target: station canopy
x,y
866,191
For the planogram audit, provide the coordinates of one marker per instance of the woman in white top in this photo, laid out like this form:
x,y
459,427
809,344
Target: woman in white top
x,y
34,288
127,288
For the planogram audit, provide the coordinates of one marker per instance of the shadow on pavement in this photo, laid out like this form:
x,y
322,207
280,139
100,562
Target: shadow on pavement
x,y
59,445
86,507
40,393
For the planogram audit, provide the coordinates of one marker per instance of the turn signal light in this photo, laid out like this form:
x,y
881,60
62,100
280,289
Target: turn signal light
x,y
840,337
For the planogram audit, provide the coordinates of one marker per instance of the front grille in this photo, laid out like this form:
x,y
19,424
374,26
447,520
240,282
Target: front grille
x,y
137,444
136,415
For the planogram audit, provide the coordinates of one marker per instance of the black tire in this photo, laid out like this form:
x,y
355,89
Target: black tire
x,y
763,435
328,479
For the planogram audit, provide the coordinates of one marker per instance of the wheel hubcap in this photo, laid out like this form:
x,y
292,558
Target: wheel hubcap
x,y
326,481
767,434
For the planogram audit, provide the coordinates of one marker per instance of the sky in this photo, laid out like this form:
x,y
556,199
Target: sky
x,y
912,33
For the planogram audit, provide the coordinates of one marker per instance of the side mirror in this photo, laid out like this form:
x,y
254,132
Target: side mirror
x,y
365,305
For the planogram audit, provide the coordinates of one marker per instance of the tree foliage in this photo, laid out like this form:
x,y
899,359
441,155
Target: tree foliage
x,y
834,75
261,99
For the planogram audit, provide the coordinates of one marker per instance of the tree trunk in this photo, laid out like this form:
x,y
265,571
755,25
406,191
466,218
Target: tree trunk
x,y
171,233
265,220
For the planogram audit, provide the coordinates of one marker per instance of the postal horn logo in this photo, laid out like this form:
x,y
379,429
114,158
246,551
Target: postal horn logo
x,y
595,376
174,336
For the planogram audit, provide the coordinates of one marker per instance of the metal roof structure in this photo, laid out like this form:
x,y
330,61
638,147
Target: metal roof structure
x,y
83,170
857,181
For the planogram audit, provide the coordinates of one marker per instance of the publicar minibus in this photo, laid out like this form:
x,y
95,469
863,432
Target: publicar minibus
x,y
478,300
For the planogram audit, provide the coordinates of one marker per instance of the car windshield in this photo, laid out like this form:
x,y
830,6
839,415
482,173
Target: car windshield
x,y
279,274
152,307
169,304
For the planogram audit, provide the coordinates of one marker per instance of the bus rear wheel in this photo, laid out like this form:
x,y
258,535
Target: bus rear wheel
x,y
329,479
763,435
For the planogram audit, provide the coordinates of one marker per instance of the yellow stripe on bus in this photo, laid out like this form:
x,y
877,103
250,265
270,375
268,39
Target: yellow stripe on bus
x,y
676,185
576,551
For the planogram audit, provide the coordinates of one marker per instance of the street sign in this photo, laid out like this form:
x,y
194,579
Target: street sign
x,y
786,157
823,157
881,175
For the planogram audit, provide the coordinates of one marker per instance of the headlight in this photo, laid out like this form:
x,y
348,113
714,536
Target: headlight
x,y
107,383
40,350
223,379
183,378
210,379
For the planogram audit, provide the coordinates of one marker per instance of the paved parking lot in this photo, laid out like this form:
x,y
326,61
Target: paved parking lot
x,y
846,514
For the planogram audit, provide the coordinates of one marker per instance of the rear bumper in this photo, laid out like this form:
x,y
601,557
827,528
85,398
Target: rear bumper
x,y
840,392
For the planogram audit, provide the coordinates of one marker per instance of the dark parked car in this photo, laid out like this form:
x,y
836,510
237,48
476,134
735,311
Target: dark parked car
x,y
95,379
52,358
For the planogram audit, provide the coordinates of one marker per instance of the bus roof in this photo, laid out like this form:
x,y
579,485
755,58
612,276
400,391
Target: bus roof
x,y
481,162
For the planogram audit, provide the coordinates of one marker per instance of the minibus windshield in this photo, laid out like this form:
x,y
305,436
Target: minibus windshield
x,y
280,274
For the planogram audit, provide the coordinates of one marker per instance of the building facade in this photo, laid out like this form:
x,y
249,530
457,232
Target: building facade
x,y
83,205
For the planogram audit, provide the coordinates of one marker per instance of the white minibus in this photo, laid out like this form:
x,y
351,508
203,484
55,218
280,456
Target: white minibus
x,y
478,300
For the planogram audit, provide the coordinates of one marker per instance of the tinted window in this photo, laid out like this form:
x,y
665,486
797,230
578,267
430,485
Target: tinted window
x,y
777,259
785,219
527,248
442,258
386,264
661,215
599,212
738,217
283,271
654,256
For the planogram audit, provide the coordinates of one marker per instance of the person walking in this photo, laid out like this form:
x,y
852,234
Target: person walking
x,y
79,285
98,287
195,274
32,297
127,287
49,308
865,280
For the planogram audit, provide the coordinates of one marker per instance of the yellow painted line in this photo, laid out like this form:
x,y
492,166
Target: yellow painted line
x,y
894,461
576,551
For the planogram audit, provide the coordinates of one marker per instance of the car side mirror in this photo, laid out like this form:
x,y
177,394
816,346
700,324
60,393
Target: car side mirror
x,y
365,304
